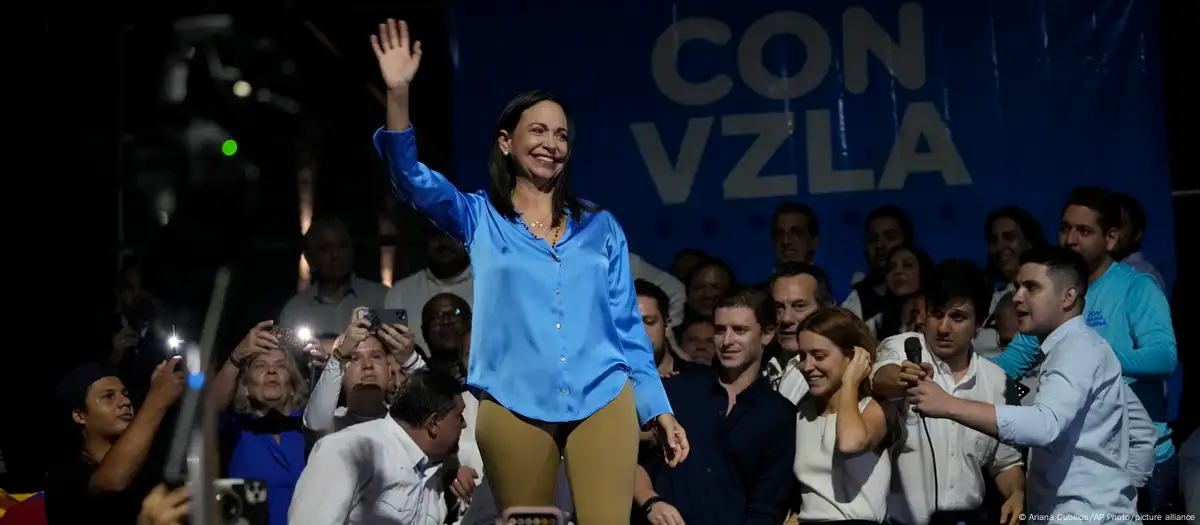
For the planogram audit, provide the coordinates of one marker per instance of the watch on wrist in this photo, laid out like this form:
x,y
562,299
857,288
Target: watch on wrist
x,y
649,504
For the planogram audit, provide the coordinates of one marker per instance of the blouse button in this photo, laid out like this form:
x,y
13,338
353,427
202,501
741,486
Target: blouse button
x,y
558,325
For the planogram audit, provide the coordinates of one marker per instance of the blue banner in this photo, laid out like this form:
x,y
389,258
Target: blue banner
x,y
693,120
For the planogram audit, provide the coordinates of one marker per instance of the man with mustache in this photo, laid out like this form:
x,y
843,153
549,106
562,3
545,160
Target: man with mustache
x,y
105,479
797,290
956,304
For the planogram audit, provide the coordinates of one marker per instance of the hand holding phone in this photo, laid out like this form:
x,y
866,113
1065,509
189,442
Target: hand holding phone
x,y
381,317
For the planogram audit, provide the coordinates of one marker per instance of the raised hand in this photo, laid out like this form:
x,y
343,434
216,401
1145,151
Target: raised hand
x,y
858,368
258,340
398,60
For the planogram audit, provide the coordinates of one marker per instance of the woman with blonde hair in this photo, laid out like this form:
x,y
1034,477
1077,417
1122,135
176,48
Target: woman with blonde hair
x,y
844,472
261,394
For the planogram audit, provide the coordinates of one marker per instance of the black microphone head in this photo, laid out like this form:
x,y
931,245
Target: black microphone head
x,y
912,349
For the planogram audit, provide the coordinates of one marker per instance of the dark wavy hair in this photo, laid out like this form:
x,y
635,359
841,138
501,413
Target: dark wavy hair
x,y
503,172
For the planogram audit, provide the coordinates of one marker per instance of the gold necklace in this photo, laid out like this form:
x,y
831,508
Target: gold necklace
x,y
551,236
538,223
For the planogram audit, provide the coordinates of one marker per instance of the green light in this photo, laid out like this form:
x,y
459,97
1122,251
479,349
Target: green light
x,y
229,147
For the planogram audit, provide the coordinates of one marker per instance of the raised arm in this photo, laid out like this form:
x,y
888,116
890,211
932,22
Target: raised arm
x,y
318,414
648,392
412,181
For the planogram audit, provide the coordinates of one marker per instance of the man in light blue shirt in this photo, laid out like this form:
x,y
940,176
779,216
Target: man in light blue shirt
x,y
1091,441
1127,308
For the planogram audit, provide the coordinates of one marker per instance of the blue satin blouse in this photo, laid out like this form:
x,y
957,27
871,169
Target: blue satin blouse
x,y
556,332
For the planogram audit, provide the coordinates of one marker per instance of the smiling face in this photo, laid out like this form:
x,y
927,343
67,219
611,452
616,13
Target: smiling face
x,y
1006,243
739,337
538,143
822,362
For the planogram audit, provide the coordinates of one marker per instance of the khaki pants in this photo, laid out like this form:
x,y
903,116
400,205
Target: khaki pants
x,y
521,458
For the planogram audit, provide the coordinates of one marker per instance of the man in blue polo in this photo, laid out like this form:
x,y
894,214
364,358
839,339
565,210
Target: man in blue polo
x,y
1129,310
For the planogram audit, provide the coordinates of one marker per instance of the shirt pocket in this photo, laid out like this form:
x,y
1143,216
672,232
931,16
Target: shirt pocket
x,y
981,448
400,505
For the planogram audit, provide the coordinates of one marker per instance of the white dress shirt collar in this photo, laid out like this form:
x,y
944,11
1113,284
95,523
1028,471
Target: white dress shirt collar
x,y
419,462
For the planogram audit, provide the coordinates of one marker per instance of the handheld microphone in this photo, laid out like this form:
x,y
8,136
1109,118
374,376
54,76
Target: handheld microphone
x,y
912,350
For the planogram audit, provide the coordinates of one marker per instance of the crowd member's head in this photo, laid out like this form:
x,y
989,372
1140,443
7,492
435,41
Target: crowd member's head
x,y
794,232
1132,228
743,324
798,289
1006,320
957,302
827,342
1009,231
329,250
430,408
270,380
444,319
707,281
446,256
1089,226
696,341
97,400
368,377
909,269
1051,287
653,306
684,261
886,228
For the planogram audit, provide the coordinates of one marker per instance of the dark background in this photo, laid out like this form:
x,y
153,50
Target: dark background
x,y
96,102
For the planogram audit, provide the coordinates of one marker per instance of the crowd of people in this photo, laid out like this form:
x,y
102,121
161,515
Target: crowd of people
x,y
1034,389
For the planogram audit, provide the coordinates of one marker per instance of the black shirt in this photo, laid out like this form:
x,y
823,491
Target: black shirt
x,y
70,502
739,469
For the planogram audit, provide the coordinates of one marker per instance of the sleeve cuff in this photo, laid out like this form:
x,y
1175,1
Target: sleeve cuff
x,y
1006,422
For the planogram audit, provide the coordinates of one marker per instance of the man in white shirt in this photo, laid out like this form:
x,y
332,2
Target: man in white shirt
x,y
1092,442
389,470
939,463
335,292
797,289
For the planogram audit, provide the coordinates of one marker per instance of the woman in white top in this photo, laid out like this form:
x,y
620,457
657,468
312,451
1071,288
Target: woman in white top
x,y
844,471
